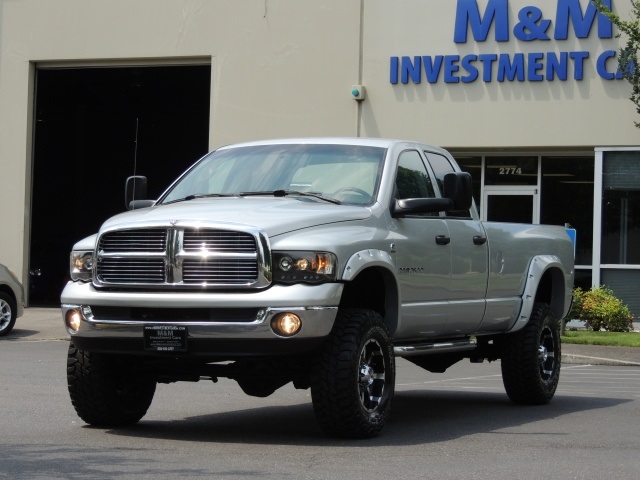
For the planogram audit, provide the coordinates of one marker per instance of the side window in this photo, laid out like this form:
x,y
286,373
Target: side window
x,y
441,166
412,179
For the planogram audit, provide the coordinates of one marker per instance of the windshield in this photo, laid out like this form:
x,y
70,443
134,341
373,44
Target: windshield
x,y
348,173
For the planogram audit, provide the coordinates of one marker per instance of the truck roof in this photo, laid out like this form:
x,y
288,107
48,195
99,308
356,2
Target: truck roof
x,y
371,142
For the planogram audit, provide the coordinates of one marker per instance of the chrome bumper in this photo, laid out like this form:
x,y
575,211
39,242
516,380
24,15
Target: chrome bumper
x,y
316,306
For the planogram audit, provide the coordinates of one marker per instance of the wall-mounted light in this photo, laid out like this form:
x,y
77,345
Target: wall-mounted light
x,y
358,92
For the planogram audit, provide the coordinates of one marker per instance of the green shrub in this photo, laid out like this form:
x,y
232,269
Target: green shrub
x,y
601,310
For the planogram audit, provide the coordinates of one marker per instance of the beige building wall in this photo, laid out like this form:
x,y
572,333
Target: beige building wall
x,y
279,68
285,68
482,115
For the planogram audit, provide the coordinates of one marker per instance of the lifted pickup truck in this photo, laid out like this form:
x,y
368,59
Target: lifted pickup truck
x,y
316,262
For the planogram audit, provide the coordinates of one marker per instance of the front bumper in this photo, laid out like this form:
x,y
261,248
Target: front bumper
x,y
107,326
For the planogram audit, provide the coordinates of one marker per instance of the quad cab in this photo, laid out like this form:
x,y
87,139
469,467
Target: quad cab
x,y
316,262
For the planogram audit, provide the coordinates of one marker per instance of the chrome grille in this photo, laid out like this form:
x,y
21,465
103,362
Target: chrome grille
x,y
231,272
182,257
131,270
218,240
142,240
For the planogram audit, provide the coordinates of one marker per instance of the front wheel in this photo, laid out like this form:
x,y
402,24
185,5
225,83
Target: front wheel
x,y
531,359
353,383
8,313
107,390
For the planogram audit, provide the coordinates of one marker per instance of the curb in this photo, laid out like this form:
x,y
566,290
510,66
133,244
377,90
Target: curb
x,y
573,359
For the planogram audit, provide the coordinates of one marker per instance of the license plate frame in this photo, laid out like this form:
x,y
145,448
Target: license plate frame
x,y
165,338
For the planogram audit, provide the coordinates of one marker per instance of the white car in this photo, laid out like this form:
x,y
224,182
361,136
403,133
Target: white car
x,y
11,300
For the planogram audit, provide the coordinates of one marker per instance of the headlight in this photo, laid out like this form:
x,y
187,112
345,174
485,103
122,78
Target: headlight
x,y
306,267
81,266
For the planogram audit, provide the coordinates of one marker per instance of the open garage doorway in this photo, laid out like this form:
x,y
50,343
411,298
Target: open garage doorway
x,y
93,128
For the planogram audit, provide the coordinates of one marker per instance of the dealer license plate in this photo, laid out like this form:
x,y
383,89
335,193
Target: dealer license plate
x,y
165,338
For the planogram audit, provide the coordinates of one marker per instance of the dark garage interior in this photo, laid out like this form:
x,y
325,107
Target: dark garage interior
x,y
94,127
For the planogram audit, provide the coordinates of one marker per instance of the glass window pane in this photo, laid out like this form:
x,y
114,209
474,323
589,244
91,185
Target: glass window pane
x,y
511,171
621,208
441,166
473,166
412,179
510,208
567,197
583,279
624,284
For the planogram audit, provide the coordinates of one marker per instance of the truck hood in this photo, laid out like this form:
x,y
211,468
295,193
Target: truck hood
x,y
273,215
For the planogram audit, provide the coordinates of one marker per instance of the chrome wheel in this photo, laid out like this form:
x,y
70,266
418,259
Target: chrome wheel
x,y
546,354
372,375
5,314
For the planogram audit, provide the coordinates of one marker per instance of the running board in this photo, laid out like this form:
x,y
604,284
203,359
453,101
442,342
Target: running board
x,y
435,348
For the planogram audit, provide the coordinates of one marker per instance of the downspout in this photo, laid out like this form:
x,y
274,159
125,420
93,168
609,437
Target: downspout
x,y
360,67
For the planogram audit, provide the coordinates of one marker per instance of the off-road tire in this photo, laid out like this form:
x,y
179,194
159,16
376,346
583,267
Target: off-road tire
x,y
353,382
531,359
107,390
8,313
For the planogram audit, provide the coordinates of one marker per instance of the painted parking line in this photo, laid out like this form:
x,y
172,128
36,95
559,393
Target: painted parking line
x,y
575,380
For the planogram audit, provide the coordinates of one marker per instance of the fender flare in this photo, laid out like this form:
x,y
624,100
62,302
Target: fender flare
x,y
365,259
539,265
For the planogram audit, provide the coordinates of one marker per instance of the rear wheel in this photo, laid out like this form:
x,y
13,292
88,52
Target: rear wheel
x,y
531,359
107,390
8,313
353,383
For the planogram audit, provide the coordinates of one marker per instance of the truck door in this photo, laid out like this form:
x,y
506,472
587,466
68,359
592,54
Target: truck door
x,y
469,261
423,254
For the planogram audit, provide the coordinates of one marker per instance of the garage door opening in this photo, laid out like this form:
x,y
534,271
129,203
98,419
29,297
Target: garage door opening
x,y
93,128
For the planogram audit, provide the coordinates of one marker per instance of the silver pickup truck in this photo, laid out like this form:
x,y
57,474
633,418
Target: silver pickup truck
x,y
315,262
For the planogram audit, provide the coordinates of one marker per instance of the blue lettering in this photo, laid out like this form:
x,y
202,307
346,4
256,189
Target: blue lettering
x,y
578,64
393,70
601,66
409,69
528,28
450,68
487,60
534,66
467,64
570,10
468,14
557,66
511,70
432,66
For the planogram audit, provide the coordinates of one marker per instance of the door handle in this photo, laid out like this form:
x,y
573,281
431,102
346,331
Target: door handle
x,y
442,240
479,240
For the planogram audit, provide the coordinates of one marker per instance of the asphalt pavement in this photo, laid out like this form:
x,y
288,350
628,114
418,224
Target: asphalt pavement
x,y
45,324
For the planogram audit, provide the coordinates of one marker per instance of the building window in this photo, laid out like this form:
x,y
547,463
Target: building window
x,y
621,208
473,166
511,171
567,197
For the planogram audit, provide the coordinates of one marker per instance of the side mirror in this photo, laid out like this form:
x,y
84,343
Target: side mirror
x,y
412,206
458,189
135,193
457,195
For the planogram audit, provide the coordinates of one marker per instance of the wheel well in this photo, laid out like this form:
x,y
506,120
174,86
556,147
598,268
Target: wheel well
x,y
8,291
374,289
551,291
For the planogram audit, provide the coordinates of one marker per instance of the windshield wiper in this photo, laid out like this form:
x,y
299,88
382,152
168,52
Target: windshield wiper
x,y
285,193
200,195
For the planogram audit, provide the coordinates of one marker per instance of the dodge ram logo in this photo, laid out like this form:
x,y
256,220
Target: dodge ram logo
x,y
410,270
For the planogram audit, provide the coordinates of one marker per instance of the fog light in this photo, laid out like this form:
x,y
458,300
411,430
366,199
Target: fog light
x,y
73,319
286,324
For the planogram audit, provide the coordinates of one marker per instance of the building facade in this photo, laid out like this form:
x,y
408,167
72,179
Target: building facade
x,y
525,94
